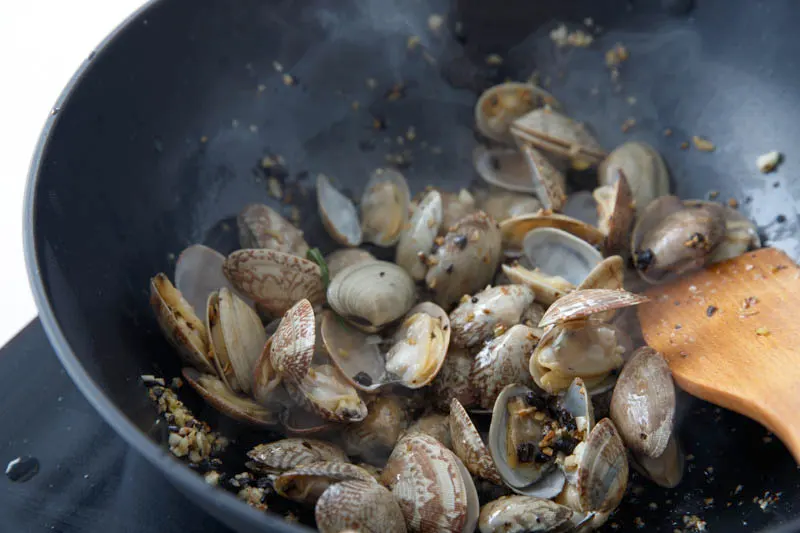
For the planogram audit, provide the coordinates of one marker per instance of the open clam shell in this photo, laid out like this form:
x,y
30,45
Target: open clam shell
x,y
615,213
557,252
384,207
275,280
292,345
260,226
417,240
643,403
547,288
603,469
548,182
306,482
515,229
453,381
502,205
373,438
644,168
266,380
341,259
581,304
479,317
301,423
286,454
358,505
327,393
557,134
466,260
608,274
198,273
527,514
503,167
372,294
179,323
468,444
217,349
227,402
502,104
338,213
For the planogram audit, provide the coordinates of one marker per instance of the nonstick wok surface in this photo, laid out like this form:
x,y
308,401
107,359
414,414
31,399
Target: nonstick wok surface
x,y
156,144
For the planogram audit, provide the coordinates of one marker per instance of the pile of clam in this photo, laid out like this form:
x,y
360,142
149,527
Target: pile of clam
x,y
473,369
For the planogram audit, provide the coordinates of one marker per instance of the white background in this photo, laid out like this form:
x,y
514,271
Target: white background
x,y
42,42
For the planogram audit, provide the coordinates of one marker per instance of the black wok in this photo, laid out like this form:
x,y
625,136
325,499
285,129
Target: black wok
x,y
155,145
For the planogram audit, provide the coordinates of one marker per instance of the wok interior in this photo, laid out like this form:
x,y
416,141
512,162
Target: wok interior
x,y
159,145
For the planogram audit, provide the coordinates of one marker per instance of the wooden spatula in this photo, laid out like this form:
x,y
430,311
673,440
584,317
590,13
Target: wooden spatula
x,y
731,335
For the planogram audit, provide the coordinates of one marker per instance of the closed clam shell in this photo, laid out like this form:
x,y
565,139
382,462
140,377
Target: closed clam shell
x,y
324,391
503,361
526,514
341,259
275,280
455,206
502,205
359,506
503,167
217,348
468,445
417,240
603,469
741,234
547,288
260,226
644,168
384,207
420,346
372,294
227,402
179,323
666,470
502,104
478,318
338,213
615,213
608,274
294,341
557,134
286,454
548,183
198,273
427,481
243,335
452,381
515,229
307,482
584,303
266,380
559,253
643,403
434,425
373,438
466,261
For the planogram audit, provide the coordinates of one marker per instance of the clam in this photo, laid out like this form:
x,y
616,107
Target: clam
x,y
324,391
515,229
266,380
341,259
292,346
275,280
468,445
741,234
286,454
453,381
557,134
466,260
527,514
615,214
198,273
434,425
581,304
489,312
672,239
237,339
503,167
548,288
300,423
339,215
432,486
373,438
502,104
557,252
644,168
417,240
260,226
306,483
503,361
643,403
456,206
502,205
582,206
666,470
372,294
227,402
417,349
608,274
384,207
548,182
179,323
602,474
358,506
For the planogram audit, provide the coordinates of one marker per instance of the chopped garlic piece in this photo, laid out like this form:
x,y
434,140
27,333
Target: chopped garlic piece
x,y
769,161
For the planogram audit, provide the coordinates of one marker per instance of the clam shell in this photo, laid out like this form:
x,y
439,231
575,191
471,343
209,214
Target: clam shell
x,y
502,205
615,214
644,168
275,280
526,514
426,480
554,133
584,303
325,392
339,215
515,229
547,288
217,348
179,323
417,240
666,470
434,425
372,294
468,445
260,226
384,207
293,343
198,273
420,346
477,318
643,403
548,183
373,438
243,335
503,167
300,423
603,469
357,355
503,361
358,506
455,207
608,274
542,481
452,381
741,234
266,380
467,259
221,398
286,454
582,206
557,252
307,482
341,259
502,104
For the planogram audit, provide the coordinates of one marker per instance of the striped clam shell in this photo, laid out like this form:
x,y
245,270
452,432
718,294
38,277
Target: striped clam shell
x,y
357,505
475,319
581,304
293,342
286,454
468,445
306,483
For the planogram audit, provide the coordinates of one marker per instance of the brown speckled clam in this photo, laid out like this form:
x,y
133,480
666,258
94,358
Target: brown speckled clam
x,y
500,105
418,238
481,316
373,438
358,505
286,454
306,483
527,514
468,445
453,381
434,425
227,402
260,226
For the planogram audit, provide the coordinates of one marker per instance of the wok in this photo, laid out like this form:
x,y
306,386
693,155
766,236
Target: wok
x,y
155,145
